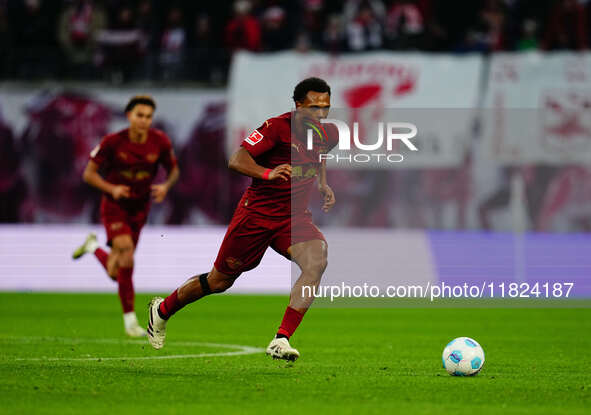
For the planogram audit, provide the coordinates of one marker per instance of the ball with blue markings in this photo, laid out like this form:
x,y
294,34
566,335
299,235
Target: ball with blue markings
x,y
463,357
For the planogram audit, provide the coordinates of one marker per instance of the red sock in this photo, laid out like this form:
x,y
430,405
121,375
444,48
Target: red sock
x,y
125,288
291,321
102,257
170,305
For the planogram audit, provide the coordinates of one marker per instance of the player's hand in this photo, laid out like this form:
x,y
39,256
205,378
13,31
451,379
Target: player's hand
x,y
159,192
329,199
283,171
121,191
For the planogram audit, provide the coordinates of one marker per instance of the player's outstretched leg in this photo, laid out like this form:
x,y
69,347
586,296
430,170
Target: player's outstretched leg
x,y
160,310
119,267
311,257
91,246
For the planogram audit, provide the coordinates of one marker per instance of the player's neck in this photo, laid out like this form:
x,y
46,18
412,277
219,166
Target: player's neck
x,y
137,136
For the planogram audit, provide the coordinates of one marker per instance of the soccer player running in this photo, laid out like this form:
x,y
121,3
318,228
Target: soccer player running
x,y
272,212
129,160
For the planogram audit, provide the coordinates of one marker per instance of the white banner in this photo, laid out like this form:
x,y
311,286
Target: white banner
x,y
364,85
166,256
537,108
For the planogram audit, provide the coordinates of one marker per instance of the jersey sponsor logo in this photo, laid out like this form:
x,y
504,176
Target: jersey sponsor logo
x,y
142,175
254,138
303,172
95,151
128,174
137,176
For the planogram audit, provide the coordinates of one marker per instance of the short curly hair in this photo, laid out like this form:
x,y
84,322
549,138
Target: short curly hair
x,y
307,85
140,100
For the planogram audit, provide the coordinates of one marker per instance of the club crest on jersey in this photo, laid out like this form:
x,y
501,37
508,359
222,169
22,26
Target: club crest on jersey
x,y
152,157
254,138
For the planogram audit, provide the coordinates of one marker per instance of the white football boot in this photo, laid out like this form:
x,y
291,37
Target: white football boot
x,y
156,324
132,327
280,349
88,247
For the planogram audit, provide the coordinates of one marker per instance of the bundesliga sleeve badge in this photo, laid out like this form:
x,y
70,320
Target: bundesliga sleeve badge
x,y
254,138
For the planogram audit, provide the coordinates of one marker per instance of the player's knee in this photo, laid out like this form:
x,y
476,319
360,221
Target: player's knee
x,y
322,264
125,259
316,265
112,265
124,250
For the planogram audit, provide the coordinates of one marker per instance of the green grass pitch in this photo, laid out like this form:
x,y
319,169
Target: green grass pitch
x,y
353,360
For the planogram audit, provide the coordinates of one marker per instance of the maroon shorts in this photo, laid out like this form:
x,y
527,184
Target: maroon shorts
x,y
250,234
124,218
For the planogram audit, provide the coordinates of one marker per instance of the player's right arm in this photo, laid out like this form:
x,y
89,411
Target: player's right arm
x,y
93,178
260,141
325,189
243,163
102,154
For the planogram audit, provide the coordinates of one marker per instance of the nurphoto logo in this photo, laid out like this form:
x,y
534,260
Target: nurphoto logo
x,y
388,134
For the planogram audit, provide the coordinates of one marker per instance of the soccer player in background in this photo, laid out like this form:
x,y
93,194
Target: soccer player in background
x,y
272,212
129,160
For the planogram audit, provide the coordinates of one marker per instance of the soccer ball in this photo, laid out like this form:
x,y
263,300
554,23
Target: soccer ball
x,y
463,357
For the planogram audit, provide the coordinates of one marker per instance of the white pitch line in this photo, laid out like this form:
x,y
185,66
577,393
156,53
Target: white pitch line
x,y
242,350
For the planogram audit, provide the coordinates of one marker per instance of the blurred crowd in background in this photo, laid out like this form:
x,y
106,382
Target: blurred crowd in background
x,y
186,40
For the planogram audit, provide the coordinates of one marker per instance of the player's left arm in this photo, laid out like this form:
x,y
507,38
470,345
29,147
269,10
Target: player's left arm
x,y
168,160
325,189
159,191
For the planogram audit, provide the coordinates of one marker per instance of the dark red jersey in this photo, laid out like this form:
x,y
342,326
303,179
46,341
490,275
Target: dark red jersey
x,y
273,144
134,164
